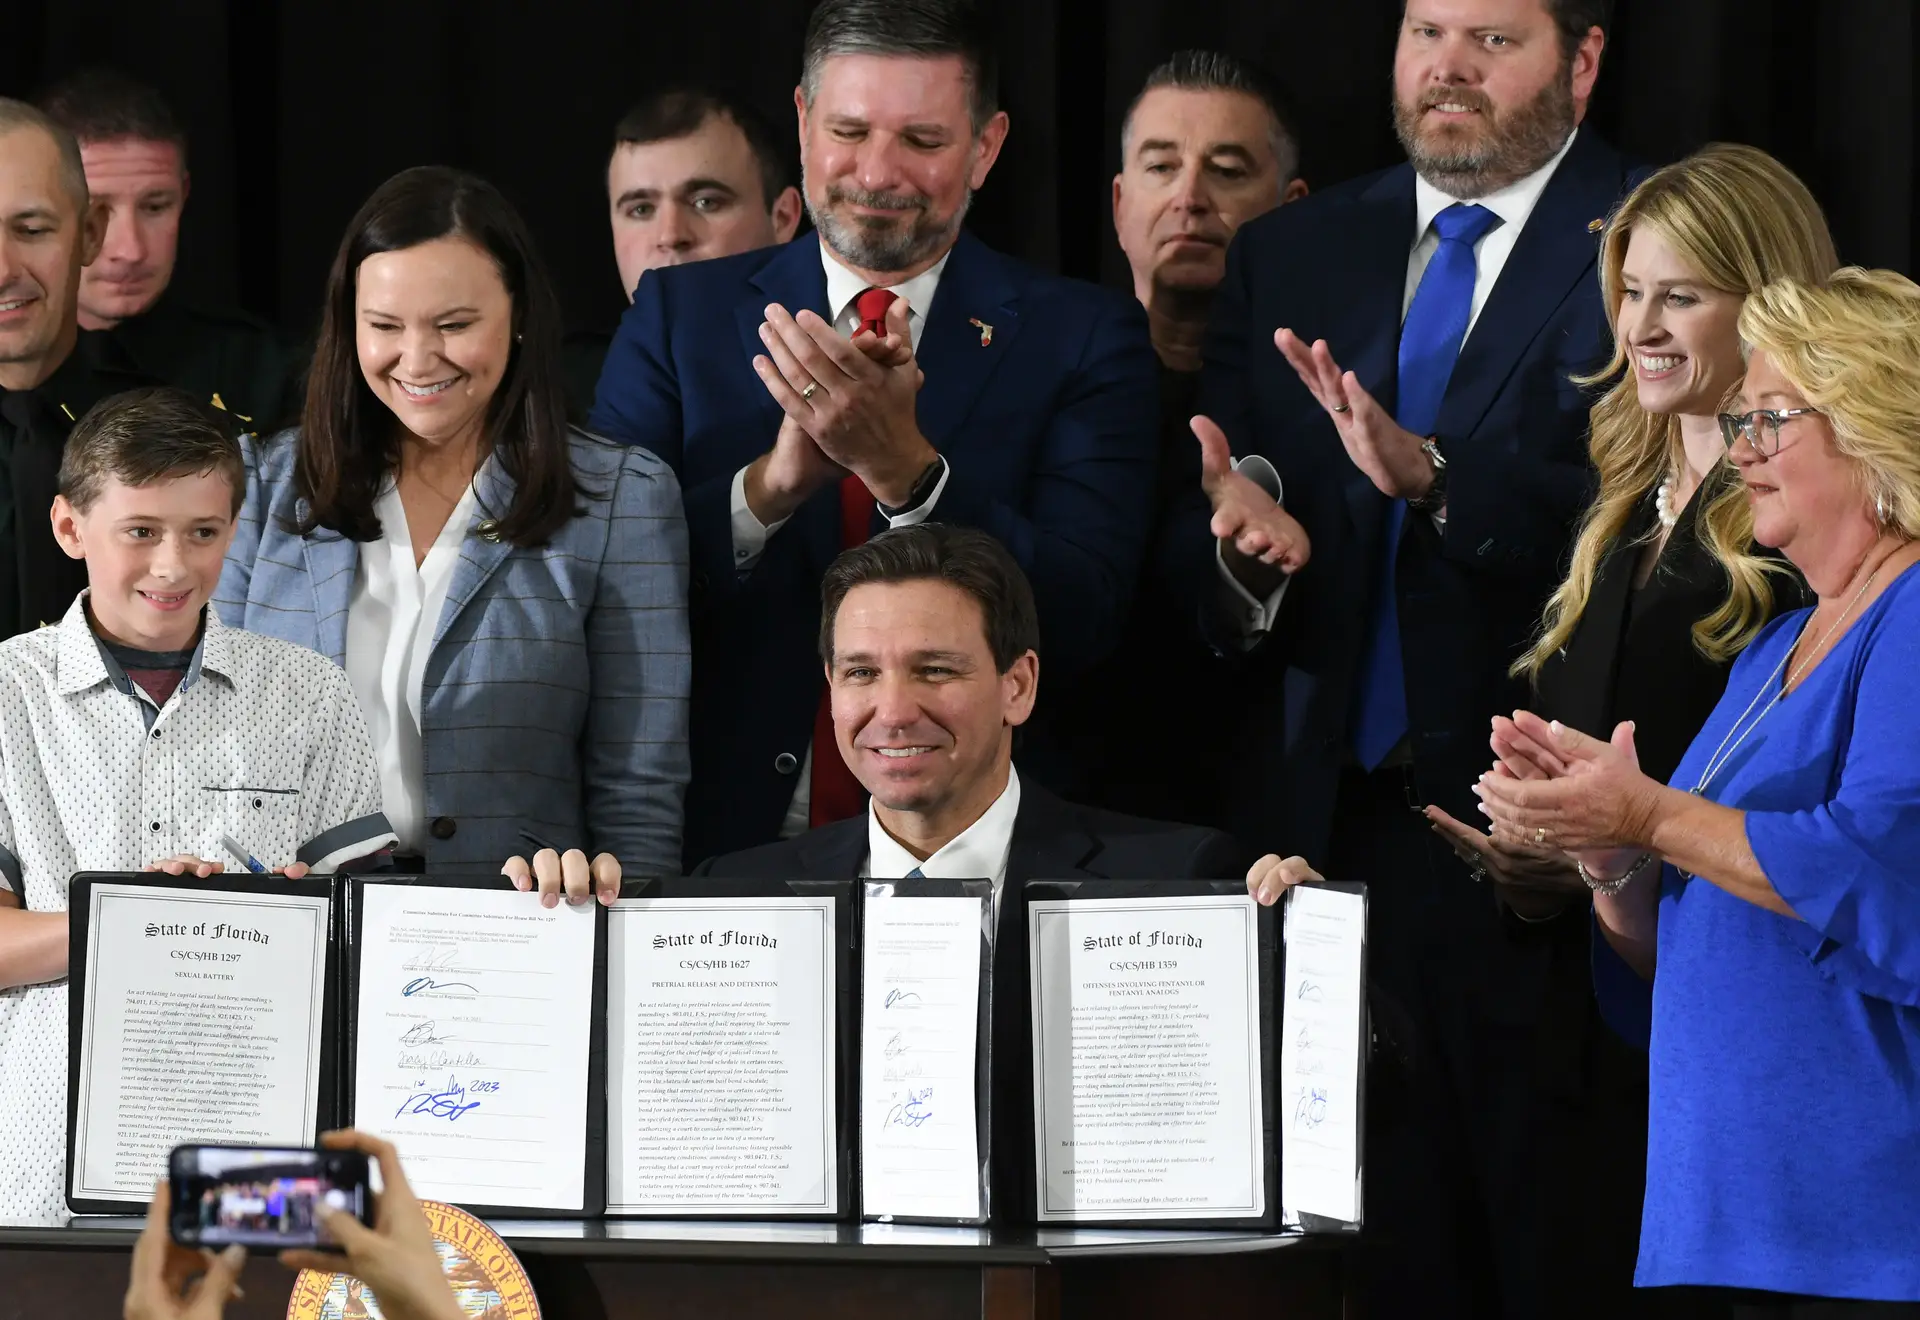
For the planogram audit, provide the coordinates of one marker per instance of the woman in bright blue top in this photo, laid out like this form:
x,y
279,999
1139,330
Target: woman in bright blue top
x,y
1771,895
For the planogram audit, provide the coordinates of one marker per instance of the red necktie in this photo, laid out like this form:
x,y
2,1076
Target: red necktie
x,y
834,793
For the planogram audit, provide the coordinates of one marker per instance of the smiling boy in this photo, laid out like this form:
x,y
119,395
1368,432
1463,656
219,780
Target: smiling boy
x,y
139,731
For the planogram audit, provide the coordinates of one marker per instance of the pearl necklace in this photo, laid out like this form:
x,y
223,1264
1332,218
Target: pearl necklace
x,y
1663,505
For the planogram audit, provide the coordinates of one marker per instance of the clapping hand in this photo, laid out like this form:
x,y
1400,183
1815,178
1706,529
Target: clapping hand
x,y
1558,787
1387,452
1261,540
1527,875
854,399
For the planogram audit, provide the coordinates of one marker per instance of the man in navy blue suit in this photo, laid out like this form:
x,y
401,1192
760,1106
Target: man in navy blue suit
x,y
886,370
1394,360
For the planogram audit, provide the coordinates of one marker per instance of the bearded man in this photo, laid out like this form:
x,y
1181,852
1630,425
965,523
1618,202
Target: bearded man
x,y
884,370
1393,362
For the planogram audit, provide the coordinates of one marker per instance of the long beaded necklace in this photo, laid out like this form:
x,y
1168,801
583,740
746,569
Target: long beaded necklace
x,y
1724,753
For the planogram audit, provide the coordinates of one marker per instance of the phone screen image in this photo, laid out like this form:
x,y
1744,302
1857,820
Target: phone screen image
x,y
263,1197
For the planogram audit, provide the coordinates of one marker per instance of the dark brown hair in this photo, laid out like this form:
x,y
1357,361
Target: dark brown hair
x,y
678,112
1574,18
148,435
349,440
1212,71
915,29
101,105
966,557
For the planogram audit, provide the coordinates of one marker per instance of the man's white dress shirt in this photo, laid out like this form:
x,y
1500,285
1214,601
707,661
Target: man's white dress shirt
x,y
979,850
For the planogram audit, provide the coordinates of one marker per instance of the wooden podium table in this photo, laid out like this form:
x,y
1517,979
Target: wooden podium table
x,y
653,1270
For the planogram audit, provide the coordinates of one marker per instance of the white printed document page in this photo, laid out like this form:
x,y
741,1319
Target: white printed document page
x,y
920,1022
720,1057
475,1025
1146,1058
1322,1000
202,1023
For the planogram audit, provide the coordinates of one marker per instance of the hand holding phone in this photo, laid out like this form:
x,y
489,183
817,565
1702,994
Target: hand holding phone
x,y
263,1196
160,1287
395,1257
387,1242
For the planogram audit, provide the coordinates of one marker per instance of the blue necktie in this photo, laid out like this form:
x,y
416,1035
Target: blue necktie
x,y
915,874
1429,343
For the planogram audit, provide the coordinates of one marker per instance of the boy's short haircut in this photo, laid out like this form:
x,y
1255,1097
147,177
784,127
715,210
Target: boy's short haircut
x,y
149,435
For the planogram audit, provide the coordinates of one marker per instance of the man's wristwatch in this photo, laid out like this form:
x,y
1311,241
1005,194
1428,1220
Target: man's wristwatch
x,y
1436,497
922,491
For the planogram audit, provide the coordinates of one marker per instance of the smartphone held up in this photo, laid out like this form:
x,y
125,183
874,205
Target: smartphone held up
x,y
264,1196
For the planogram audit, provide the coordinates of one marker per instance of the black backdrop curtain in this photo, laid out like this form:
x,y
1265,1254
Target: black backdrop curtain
x,y
298,108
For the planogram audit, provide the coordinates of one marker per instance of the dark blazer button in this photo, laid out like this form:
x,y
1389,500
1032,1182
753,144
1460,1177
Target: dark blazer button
x,y
786,763
443,827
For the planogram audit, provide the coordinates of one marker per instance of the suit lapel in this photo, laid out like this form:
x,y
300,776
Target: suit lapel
x,y
1049,841
970,330
1555,252
331,560
835,852
795,279
1592,657
480,555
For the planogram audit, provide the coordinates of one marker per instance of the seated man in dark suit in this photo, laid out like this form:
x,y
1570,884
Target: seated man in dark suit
x,y
931,643
135,153
893,360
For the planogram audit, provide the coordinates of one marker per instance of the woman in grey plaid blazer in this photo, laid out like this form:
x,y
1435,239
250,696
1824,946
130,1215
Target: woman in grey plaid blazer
x,y
508,595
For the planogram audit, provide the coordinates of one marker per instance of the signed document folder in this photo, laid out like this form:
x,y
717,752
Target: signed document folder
x,y
200,1011
730,1048
926,999
1153,1042
476,1021
1323,1056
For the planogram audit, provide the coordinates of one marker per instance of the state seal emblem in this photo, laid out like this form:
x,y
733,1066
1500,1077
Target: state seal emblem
x,y
485,1274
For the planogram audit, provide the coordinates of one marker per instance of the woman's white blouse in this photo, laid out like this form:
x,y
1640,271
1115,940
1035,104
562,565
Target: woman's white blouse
x,y
391,620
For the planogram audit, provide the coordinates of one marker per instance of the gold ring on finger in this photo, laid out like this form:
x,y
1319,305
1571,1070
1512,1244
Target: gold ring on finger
x,y
1540,837
1342,407
813,388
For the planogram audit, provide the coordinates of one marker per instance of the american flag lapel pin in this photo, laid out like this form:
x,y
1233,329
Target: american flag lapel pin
x,y
986,331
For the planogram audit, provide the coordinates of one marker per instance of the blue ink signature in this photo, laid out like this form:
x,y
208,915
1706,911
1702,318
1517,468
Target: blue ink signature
x,y
1311,1108
911,1112
896,1046
421,1033
899,997
448,1104
426,985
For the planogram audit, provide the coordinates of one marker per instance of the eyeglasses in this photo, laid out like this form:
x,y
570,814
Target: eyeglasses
x,y
1761,427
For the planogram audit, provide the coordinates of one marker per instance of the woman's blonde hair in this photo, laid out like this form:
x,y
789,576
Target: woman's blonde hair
x,y
1851,346
1738,219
